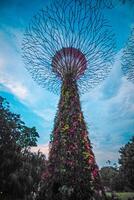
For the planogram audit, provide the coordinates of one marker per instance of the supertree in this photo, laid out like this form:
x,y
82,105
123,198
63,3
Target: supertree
x,y
128,58
69,47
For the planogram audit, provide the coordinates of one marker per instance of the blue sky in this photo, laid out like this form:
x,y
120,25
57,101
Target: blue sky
x,y
108,108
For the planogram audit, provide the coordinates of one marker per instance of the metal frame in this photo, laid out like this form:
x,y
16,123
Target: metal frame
x,y
69,24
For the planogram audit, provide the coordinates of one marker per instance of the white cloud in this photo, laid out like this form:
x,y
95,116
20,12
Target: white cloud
x,y
102,156
109,111
15,87
46,114
44,148
11,72
2,63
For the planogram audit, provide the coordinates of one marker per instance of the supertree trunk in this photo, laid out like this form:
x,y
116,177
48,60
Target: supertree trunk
x,y
71,160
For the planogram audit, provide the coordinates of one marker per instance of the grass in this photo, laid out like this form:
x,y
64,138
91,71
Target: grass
x,y
123,195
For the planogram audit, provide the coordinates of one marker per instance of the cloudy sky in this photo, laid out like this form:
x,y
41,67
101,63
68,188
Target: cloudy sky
x,y
108,108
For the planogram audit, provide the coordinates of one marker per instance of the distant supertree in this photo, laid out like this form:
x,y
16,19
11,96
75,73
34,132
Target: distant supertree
x,y
128,58
101,4
69,47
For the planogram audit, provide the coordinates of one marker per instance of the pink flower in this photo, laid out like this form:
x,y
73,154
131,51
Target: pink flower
x,y
95,172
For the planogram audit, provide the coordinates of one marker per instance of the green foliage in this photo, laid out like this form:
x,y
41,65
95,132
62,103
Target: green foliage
x,y
71,164
127,164
122,195
125,195
20,170
110,177
122,178
13,129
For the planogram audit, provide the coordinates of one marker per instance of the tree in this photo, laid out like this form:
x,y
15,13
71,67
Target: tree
x,y
127,164
20,170
108,173
13,129
122,178
26,179
112,178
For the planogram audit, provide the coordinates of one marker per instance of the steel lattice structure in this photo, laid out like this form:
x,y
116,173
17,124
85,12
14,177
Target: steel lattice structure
x,y
57,34
128,58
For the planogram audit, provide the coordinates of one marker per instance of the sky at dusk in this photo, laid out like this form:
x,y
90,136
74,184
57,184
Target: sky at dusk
x,y
108,108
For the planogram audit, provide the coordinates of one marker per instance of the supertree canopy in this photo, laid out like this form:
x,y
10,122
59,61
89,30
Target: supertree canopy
x,y
64,29
128,58
69,47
